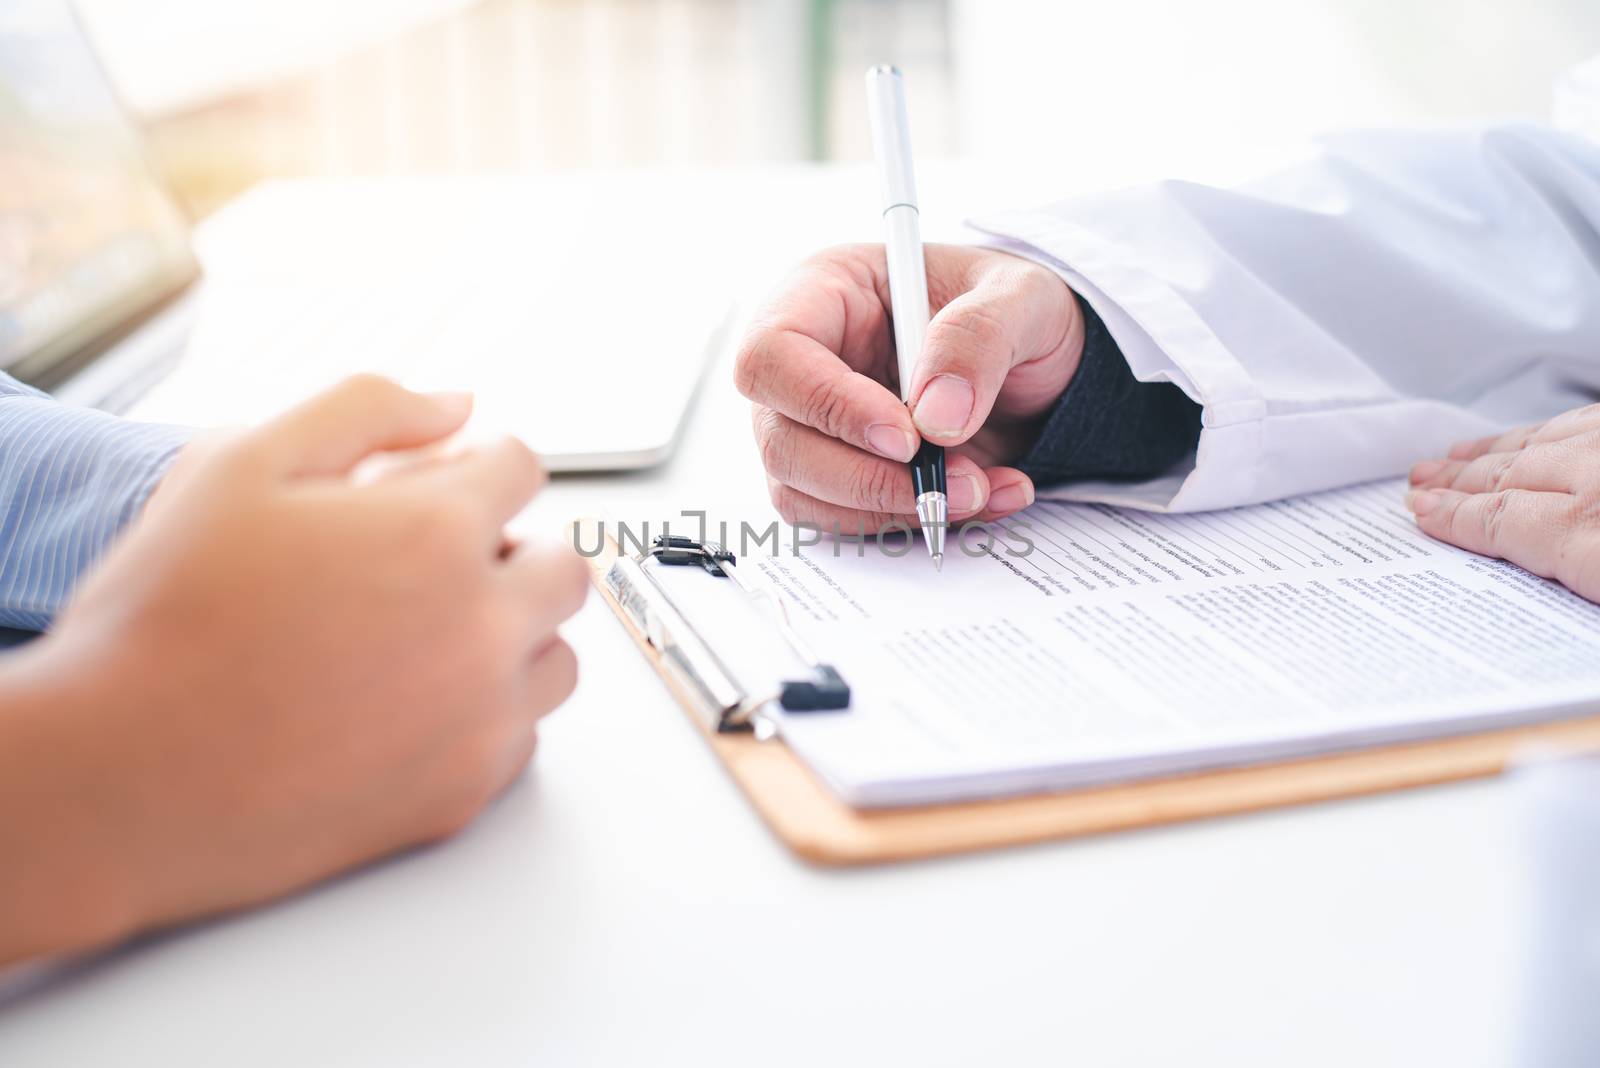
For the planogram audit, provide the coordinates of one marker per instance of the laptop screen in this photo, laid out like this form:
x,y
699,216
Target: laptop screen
x,y
89,238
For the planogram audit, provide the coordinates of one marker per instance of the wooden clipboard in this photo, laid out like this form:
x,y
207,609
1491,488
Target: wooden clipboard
x,y
824,830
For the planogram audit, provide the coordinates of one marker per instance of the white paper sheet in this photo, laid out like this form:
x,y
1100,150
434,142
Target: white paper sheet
x,y
1123,644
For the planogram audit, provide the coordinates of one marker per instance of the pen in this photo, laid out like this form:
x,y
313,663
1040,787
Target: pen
x,y
908,283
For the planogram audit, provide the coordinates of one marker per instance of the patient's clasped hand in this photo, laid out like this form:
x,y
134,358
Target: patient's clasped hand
x,y
279,673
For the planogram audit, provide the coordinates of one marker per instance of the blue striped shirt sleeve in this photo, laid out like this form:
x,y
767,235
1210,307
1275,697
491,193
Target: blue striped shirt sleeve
x,y
70,480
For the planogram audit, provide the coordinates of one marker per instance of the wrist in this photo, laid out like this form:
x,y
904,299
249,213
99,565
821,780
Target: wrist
x,y
66,884
149,492
1108,425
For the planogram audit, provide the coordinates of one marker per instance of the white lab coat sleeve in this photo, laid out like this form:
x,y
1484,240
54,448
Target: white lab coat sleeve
x,y
1351,315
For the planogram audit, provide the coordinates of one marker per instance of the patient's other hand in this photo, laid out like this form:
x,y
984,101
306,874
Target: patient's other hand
x,y
819,363
281,672
1530,496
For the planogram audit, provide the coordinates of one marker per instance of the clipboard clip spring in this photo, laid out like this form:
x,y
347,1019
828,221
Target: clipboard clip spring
x,y
725,702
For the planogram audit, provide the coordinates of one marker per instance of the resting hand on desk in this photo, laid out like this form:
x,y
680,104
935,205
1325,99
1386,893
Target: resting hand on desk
x,y
1004,342
1530,496
279,673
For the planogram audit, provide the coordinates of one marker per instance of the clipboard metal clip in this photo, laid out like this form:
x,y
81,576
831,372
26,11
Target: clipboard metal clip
x,y
725,703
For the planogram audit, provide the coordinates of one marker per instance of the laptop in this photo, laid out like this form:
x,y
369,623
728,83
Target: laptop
x,y
582,310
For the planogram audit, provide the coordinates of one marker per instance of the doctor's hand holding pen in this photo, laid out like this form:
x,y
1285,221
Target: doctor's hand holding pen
x,y
819,364
1530,496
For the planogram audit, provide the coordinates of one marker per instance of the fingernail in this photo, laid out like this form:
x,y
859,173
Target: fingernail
x,y
453,400
891,442
965,494
1425,470
1013,498
945,407
1421,502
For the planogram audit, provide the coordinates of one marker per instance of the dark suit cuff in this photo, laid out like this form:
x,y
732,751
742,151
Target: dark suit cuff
x,y
1109,426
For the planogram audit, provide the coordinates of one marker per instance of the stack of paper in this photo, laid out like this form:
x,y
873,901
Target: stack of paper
x,y
1091,644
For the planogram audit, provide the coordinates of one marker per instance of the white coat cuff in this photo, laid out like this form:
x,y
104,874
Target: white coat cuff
x,y
1163,340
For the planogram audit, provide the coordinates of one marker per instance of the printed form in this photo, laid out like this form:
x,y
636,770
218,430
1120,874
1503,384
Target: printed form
x,y
1092,643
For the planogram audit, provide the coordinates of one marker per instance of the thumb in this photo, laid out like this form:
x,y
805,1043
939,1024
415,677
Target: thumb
x,y
338,428
1014,317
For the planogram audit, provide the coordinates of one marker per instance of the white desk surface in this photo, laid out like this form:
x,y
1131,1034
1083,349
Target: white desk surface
x,y
622,905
